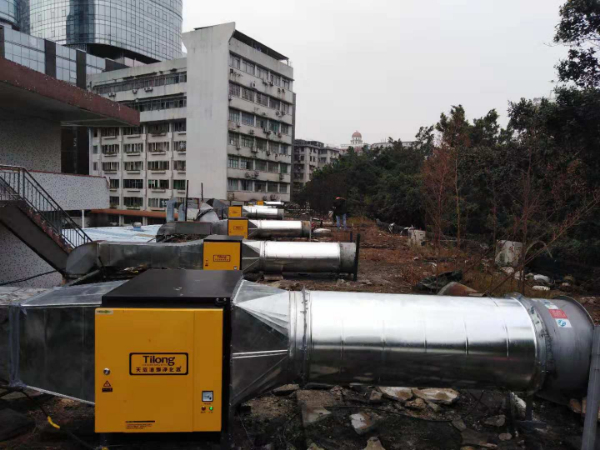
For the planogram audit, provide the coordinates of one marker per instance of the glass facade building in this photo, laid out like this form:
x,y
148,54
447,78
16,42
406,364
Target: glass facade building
x,y
143,30
9,11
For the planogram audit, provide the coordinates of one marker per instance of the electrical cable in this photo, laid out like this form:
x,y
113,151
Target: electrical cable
x,y
27,279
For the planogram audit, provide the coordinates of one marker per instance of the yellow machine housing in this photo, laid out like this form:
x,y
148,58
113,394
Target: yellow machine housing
x,y
160,364
238,227
234,211
260,203
223,253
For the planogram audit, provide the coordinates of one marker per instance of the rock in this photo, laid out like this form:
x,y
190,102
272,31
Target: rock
x,y
271,277
507,270
340,282
505,436
434,407
399,394
313,414
435,283
459,424
320,232
443,396
13,424
375,397
471,437
520,405
541,288
575,406
363,422
569,279
367,282
374,444
566,286
286,390
509,253
541,279
418,404
455,289
496,421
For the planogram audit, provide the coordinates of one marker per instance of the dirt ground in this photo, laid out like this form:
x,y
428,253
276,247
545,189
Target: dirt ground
x,y
275,420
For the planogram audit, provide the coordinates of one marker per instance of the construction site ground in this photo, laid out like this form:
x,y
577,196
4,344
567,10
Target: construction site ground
x,y
319,417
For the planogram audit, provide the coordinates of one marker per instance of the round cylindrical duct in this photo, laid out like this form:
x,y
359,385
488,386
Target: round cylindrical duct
x,y
266,229
262,212
432,341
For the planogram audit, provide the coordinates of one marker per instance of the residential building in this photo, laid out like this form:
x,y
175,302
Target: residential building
x,y
308,157
41,208
126,31
9,13
223,119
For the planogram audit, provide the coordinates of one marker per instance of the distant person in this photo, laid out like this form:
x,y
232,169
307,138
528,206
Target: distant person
x,y
340,211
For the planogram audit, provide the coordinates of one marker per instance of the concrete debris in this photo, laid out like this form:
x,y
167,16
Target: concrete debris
x,y
417,237
541,288
520,405
363,422
435,283
434,395
455,289
374,444
286,390
509,253
508,270
566,286
272,277
13,424
505,436
399,394
459,424
434,407
418,404
471,437
313,414
341,282
543,279
496,421
375,397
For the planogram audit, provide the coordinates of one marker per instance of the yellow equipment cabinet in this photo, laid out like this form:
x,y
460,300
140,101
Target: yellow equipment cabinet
x,y
223,253
160,358
234,211
260,203
237,227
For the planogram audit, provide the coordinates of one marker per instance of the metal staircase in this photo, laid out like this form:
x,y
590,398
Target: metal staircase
x,y
35,218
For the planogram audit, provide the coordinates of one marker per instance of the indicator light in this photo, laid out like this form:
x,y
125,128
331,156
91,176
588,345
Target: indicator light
x,y
210,408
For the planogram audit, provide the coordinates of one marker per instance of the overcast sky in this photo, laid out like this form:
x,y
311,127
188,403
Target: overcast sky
x,y
387,67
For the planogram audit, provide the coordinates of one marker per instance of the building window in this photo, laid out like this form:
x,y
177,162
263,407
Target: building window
x,y
246,164
95,149
158,104
158,128
273,187
248,67
274,104
248,94
285,129
179,185
234,139
287,84
235,90
133,184
109,132
232,184
247,141
248,119
274,147
179,165
112,149
273,167
157,202
261,165
234,61
262,73
275,79
134,166
114,183
158,165
286,108
180,146
234,116
130,131
133,148
180,126
283,188
133,202
110,166
262,99
95,166
283,168
114,202
245,185
158,147
261,144
158,184
260,186
233,162
274,126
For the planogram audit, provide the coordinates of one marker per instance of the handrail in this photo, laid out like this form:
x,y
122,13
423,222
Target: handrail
x,y
28,189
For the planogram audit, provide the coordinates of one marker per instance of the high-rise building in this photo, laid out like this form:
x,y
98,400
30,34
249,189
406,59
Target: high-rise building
x,y
9,12
123,30
308,157
221,119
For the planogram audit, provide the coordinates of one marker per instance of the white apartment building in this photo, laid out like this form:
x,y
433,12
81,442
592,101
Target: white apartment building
x,y
308,156
221,119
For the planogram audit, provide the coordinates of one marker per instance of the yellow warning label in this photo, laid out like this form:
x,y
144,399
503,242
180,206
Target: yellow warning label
x,y
106,387
158,364
221,258
139,425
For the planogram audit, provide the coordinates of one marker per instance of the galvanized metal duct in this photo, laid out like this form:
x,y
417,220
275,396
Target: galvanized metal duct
x,y
262,212
269,229
282,257
408,340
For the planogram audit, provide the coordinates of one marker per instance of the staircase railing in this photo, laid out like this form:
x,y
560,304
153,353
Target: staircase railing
x,y
17,184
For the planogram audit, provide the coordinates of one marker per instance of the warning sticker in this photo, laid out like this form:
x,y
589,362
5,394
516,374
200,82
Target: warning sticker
x,y
141,425
548,304
221,258
158,364
558,314
563,323
106,387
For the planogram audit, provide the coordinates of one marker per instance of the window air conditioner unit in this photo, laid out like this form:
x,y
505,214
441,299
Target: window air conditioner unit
x,y
256,174
248,175
238,125
264,82
134,91
271,83
253,150
269,132
148,89
281,176
251,131
276,155
253,84
268,153
279,134
238,147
